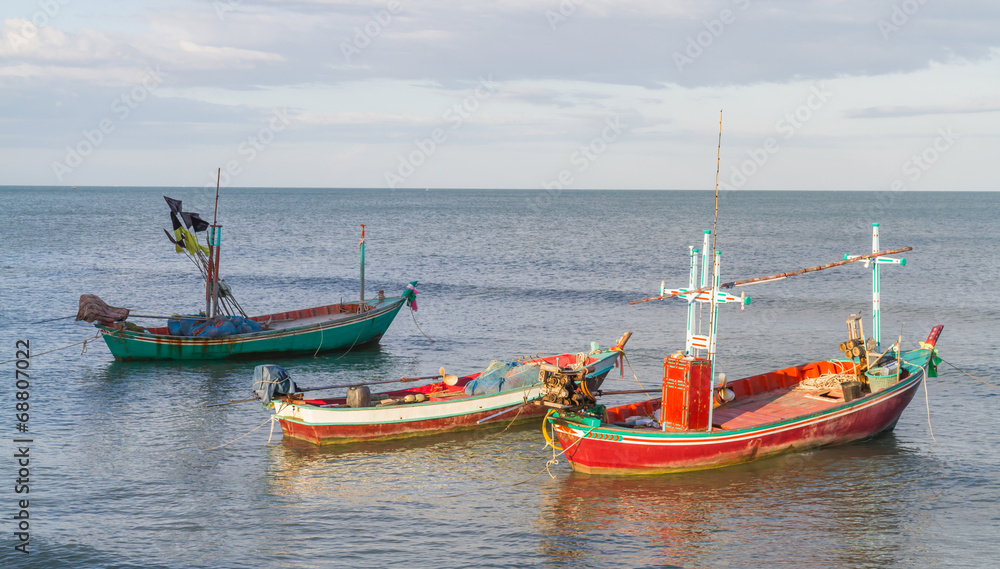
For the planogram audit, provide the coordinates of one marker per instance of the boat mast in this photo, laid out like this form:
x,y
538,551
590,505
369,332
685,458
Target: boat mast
x,y
692,284
705,257
214,244
211,251
714,297
361,244
876,285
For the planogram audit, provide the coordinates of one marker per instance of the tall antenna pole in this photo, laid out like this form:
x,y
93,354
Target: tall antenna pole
x,y
712,314
718,164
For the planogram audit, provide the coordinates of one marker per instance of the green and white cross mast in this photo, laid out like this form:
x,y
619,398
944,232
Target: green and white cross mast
x,y
876,287
696,342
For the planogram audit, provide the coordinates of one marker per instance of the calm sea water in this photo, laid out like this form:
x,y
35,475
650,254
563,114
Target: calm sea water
x,y
120,474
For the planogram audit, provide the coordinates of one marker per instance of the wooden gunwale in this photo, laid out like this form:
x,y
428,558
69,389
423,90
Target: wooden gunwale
x,y
157,335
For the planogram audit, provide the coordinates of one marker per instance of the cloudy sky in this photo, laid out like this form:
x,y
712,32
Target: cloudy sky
x,y
616,94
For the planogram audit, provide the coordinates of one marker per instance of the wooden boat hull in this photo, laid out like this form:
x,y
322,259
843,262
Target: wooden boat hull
x,y
316,334
324,425
597,447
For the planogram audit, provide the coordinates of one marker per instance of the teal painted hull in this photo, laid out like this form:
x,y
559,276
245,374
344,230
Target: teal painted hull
x,y
330,335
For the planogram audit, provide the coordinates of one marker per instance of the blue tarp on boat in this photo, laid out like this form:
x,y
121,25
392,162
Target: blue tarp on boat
x,y
501,376
270,380
217,327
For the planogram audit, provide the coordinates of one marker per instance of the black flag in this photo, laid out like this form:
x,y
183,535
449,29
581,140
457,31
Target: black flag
x,y
172,240
175,205
194,221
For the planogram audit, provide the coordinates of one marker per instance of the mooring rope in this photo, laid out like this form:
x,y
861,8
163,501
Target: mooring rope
x,y
927,398
969,374
625,357
551,462
355,343
418,327
321,341
266,421
84,342
555,457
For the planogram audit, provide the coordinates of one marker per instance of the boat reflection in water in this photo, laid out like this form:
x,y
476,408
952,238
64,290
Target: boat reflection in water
x,y
845,506
420,468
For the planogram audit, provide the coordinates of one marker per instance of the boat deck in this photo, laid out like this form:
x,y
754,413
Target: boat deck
x,y
305,317
773,406
281,324
749,411
761,399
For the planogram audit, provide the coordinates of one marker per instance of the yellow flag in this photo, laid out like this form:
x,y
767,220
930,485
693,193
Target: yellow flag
x,y
191,243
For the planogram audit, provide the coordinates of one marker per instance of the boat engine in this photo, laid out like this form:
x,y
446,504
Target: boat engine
x,y
565,387
857,349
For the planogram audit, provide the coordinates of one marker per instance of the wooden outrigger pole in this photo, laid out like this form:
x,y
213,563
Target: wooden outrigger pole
x,y
778,276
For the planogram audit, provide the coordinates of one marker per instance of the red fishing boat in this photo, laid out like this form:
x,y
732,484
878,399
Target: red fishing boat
x,y
701,421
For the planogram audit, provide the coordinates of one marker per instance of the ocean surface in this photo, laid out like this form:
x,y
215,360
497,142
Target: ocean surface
x,y
121,474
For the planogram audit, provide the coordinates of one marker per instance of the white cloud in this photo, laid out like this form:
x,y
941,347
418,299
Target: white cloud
x,y
607,58
22,40
210,57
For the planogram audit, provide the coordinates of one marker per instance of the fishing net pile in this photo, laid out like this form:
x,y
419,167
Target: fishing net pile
x,y
829,381
217,327
93,309
501,376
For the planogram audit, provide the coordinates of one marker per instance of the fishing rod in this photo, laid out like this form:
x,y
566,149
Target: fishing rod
x,y
448,379
601,392
187,317
779,276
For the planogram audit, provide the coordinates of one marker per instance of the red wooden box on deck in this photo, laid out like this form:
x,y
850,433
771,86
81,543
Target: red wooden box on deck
x,y
686,394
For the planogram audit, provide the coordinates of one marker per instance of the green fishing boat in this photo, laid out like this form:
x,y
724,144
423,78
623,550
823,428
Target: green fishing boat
x,y
224,330
299,332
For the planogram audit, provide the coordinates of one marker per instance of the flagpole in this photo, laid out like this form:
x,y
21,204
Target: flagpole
x,y
362,243
215,243
210,278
